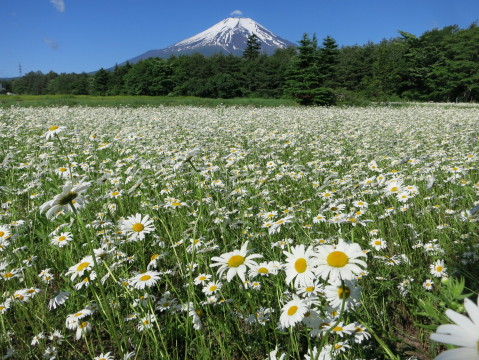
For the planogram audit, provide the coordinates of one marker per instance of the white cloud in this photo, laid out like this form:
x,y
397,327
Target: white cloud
x,y
236,13
52,44
59,4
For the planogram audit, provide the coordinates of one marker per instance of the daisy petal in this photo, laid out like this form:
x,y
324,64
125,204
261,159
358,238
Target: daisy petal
x,y
472,311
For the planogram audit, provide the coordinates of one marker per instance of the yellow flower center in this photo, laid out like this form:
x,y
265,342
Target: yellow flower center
x,y
300,265
337,259
68,198
52,128
115,193
137,227
344,292
83,325
2,233
263,270
145,277
202,278
213,288
338,328
394,189
309,289
235,261
62,169
292,310
8,275
78,314
439,268
61,238
83,266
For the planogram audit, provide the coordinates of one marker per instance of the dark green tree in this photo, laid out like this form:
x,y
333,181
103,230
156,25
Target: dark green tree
x,y
354,66
304,81
69,84
389,67
149,77
328,62
100,83
33,83
117,79
253,46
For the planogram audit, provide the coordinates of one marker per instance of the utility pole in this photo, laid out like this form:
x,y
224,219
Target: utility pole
x,y
20,72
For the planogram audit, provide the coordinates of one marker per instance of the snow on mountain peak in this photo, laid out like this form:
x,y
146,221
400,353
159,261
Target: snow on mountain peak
x,y
231,34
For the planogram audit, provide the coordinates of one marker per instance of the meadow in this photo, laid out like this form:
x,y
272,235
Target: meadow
x,y
133,101
235,232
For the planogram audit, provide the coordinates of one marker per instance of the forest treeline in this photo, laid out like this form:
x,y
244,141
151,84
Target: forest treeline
x,y
440,65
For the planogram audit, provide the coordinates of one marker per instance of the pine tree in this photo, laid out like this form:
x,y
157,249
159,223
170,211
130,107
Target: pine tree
x,y
304,80
328,59
253,46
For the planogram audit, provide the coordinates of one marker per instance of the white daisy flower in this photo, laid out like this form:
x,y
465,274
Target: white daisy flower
x,y
235,262
276,226
337,293
438,269
4,232
136,227
201,279
58,300
62,240
212,287
300,265
70,196
340,261
103,356
463,333
77,270
293,312
378,243
148,279
83,328
53,130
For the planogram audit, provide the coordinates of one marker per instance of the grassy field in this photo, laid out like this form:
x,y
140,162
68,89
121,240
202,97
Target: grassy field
x,y
131,101
195,232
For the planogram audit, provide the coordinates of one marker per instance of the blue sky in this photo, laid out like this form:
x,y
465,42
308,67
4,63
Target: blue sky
x,y
85,35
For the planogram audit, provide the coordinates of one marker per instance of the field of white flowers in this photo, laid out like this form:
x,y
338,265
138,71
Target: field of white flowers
x,y
239,233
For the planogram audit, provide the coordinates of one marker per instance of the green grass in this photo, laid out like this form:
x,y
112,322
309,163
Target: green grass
x,y
133,101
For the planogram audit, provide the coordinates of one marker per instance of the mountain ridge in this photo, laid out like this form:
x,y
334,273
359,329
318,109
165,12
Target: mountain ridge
x,y
229,36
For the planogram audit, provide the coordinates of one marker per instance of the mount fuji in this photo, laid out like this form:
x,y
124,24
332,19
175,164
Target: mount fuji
x,y
229,36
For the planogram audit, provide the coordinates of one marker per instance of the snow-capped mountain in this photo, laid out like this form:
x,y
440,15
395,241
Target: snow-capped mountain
x,y
229,36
